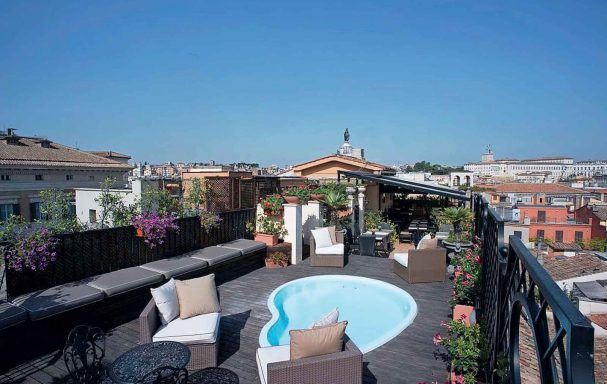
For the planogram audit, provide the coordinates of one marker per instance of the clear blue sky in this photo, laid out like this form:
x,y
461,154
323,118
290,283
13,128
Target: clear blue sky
x,y
273,82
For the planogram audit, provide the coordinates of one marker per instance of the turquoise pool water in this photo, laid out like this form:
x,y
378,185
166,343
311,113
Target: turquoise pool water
x,y
376,311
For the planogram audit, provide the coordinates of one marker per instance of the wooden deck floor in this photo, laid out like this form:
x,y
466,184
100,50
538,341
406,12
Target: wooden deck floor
x,y
409,358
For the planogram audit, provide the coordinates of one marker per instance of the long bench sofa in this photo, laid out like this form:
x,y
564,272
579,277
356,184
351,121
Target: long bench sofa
x,y
49,302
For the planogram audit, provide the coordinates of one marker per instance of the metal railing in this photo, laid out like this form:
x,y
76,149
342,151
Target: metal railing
x,y
515,286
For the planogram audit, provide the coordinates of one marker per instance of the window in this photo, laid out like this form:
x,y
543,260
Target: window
x,y
518,234
35,213
559,236
541,216
39,177
91,177
5,177
540,234
92,216
579,236
6,211
69,177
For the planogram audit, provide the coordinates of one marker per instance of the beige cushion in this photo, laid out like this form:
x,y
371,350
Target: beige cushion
x,y
332,234
317,341
201,329
197,296
402,259
267,355
336,249
429,244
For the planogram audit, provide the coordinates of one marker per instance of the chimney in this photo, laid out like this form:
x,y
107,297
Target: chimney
x,y
10,131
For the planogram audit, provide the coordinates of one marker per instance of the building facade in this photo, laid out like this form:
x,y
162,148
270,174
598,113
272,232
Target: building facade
x,y
29,165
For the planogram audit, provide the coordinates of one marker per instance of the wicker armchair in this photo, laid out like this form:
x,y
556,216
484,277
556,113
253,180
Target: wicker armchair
x,y
343,367
336,260
204,355
421,265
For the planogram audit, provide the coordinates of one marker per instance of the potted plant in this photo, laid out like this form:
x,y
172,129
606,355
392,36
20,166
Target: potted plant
x,y
32,251
272,205
296,195
268,230
461,219
317,193
154,227
463,343
373,220
337,203
277,260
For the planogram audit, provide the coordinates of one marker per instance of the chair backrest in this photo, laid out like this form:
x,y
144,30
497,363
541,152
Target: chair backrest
x,y
366,244
84,352
166,375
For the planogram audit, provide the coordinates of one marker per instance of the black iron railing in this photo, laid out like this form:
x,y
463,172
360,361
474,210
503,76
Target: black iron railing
x,y
518,294
89,253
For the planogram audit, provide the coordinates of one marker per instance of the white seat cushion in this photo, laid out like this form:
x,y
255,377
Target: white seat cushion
x,y
337,249
322,237
201,329
426,237
402,258
267,355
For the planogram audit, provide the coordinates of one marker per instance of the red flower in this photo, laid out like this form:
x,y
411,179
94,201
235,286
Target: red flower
x,y
437,339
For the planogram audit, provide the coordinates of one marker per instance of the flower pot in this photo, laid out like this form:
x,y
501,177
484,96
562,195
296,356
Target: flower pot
x,y
467,311
139,232
271,264
269,240
316,196
291,199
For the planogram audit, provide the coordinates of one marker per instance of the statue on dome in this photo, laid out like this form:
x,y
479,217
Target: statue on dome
x,y
346,135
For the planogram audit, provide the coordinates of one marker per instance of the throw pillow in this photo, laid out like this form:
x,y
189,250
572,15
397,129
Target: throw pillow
x,y
322,237
332,234
197,296
429,244
328,319
166,301
317,341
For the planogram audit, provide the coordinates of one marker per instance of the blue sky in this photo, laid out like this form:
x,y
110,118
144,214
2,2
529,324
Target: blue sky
x,y
277,82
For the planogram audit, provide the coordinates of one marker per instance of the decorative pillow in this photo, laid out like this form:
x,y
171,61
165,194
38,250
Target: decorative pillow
x,y
322,237
166,301
197,296
328,319
332,234
317,341
429,244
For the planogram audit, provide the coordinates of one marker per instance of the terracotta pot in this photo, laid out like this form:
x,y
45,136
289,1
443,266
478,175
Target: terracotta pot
x,y
271,264
291,199
316,196
466,310
269,240
139,232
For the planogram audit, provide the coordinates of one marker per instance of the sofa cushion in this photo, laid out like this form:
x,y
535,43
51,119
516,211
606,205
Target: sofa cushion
x,y
421,241
197,296
317,341
267,355
11,315
175,266
402,259
328,319
165,298
214,255
336,249
124,280
201,329
322,237
245,246
62,298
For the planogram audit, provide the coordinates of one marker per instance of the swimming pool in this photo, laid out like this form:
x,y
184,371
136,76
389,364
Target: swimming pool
x,y
376,311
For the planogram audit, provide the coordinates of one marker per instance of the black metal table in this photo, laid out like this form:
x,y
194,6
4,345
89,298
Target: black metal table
x,y
134,364
214,376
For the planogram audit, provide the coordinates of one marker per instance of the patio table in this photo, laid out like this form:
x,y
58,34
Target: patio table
x,y
134,364
383,236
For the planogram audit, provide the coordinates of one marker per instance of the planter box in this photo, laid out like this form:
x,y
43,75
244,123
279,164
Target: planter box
x,y
271,264
467,310
291,199
269,240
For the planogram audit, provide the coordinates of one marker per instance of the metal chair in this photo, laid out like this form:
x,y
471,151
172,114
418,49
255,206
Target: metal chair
x,y
366,243
166,375
83,354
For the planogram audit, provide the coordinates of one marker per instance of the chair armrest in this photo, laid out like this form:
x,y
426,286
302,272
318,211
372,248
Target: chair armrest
x,y
336,368
312,246
148,322
427,258
339,236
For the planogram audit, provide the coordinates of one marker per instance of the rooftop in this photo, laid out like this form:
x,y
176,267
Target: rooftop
x,y
548,188
563,268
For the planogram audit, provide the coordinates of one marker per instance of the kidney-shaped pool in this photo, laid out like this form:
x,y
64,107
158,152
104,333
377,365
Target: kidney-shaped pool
x,y
376,311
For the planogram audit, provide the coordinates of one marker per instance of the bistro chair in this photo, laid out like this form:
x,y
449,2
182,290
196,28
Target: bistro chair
x,y
166,375
83,354
366,243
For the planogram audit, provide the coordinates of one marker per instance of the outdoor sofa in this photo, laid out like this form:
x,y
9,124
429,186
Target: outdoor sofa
x,y
328,255
425,264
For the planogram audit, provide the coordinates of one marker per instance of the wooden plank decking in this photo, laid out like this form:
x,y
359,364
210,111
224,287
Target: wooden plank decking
x,y
409,358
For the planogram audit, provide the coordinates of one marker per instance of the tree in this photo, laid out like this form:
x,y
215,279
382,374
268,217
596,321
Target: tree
x,y
56,208
196,196
159,201
108,201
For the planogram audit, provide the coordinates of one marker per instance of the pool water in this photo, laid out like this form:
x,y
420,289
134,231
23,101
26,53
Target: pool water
x,y
376,311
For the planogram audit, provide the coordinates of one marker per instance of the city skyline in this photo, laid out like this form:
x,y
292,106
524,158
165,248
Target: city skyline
x,y
277,84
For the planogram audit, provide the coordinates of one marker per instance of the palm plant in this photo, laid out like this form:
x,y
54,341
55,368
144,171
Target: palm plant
x,y
335,200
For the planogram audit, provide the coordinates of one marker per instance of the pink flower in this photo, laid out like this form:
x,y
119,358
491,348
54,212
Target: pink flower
x,y
468,276
457,274
437,339
463,316
477,259
459,379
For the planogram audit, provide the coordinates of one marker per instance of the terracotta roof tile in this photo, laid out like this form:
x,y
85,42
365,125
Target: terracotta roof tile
x,y
562,268
536,188
30,152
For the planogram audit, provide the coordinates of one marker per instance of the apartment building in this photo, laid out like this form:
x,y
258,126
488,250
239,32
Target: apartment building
x,y
29,165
